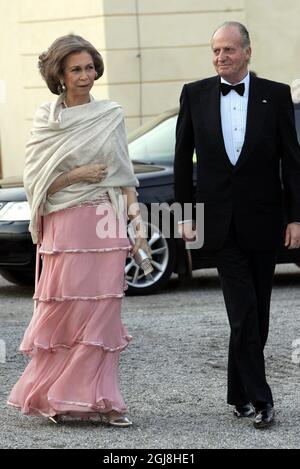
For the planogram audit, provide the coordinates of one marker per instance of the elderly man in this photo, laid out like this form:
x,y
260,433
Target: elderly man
x,y
248,177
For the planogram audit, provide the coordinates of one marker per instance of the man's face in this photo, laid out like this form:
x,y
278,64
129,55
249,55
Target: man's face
x,y
230,59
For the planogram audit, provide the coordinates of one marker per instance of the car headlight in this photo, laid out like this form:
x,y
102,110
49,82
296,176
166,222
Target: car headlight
x,y
15,211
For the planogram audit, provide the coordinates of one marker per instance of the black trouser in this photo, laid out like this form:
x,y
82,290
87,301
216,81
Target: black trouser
x,y
246,279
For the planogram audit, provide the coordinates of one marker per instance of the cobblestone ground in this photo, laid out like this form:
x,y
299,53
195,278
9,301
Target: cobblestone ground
x,y
173,375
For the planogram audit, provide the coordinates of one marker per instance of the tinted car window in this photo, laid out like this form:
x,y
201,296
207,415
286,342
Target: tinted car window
x,y
157,145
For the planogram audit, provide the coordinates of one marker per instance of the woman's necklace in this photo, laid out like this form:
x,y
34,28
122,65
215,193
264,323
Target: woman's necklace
x,y
65,104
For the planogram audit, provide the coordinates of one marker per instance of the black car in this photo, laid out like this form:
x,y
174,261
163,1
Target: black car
x,y
151,149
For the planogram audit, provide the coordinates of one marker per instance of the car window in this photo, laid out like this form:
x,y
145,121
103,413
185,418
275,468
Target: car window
x,y
157,145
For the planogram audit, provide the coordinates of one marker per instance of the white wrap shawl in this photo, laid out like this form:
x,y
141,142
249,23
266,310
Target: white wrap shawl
x,y
62,139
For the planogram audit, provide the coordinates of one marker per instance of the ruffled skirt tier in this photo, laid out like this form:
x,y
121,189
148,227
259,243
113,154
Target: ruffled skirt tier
x,y
76,333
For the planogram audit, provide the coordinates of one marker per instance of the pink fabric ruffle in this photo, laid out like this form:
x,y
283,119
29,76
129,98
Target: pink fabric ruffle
x,y
76,334
66,324
79,381
87,228
82,276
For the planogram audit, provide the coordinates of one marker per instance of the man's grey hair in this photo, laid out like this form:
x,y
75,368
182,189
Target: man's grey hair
x,y
242,29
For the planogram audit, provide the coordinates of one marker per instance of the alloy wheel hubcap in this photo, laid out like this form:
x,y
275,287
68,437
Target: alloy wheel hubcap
x,y
160,256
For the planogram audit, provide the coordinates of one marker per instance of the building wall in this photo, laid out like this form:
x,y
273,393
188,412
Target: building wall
x,y
154,47
274,28
150,49
12,122
28,27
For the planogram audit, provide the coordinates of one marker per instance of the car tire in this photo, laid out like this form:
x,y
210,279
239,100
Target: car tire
x,y
163,250
18,278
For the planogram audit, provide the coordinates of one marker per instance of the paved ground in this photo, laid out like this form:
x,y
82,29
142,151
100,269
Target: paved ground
x,y
173,375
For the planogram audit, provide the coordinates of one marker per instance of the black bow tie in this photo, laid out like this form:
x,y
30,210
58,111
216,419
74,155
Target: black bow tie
x,y
225,89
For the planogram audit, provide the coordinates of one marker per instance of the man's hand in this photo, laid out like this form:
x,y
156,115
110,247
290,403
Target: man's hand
x,y
292,236
186,231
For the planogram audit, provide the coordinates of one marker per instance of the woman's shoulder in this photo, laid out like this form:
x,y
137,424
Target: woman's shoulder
x,y
43,109
41,115
45,106
109,104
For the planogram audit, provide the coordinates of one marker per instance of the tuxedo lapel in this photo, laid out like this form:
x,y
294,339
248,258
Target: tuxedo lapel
x,y
256,113
210,105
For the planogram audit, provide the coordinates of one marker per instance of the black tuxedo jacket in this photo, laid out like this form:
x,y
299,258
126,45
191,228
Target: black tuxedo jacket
x,y
262,187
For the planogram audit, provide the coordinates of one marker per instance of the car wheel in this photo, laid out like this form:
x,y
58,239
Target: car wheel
x,y
163,251
19,278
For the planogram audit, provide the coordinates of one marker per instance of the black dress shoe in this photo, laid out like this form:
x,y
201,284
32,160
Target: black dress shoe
x,y
264,417
246,410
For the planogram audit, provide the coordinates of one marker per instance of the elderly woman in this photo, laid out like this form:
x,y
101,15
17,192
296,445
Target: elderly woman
x,y
77,177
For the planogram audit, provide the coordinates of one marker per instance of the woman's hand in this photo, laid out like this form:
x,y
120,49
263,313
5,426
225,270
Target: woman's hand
x,y
95,172
88,173
141,243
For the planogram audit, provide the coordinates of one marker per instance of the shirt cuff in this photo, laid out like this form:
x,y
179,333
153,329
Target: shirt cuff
x,y
184,221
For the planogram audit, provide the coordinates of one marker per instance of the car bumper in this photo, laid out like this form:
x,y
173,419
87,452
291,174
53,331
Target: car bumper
x,y
17,252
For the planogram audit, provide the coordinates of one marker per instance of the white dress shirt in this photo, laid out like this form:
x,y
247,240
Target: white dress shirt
x,y
233,109
233,117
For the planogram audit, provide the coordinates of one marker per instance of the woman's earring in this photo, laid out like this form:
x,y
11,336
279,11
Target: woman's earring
x,y
63,86
96,75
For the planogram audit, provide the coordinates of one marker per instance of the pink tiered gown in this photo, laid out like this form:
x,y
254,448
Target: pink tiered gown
x,y
76,334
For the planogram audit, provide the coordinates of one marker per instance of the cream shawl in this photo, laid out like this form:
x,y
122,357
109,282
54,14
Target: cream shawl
x,y
62,139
